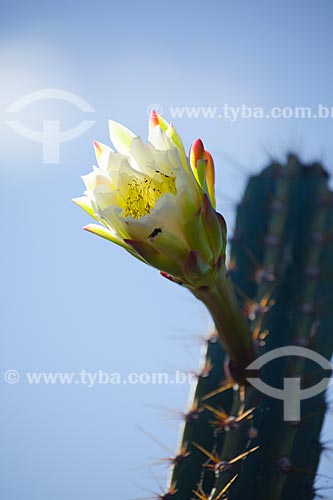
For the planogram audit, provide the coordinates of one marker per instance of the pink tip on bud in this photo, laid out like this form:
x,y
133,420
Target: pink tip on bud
x,y
197,152
198,149
98,149
170,278
154,118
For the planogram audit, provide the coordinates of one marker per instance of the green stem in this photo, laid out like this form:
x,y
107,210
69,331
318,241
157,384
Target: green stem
x,y
231,325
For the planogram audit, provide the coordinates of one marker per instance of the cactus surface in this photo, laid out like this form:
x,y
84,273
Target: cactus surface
x,y
236,442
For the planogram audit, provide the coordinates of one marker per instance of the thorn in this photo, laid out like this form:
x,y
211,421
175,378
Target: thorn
x,y
221,414
168,496
193,414
257,329
227,422
221,465
243,455
200,493
214,458
153,438
226,385
226,488
179,458
252,309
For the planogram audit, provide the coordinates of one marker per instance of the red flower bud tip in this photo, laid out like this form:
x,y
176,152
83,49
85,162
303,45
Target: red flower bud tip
x,y
170,278
197,153
98,149
154,118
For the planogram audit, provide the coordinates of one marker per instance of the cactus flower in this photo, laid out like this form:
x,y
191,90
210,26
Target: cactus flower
x,y
159,205
155,202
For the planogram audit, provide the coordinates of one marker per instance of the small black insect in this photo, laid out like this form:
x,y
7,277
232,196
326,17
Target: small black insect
x,y
156,231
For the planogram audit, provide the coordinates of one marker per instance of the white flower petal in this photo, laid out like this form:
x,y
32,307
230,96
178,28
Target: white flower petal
x,y
111,218
100,148
85,204
149,160
121,137
105,233
94,179
158,138
103,197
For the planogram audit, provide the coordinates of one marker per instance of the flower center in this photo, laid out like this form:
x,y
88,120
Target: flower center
x,y
142,194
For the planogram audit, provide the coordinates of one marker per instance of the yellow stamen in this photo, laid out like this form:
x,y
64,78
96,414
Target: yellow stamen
x,y
142,194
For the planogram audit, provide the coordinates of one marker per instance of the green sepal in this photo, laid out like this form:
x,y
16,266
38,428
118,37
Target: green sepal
x,y
195,269
196,236
213,227
155,258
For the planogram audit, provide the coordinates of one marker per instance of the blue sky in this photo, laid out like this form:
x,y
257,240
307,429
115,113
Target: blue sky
x,y
72,301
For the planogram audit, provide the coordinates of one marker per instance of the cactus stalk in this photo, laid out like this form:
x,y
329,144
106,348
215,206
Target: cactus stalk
x,y
238,443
